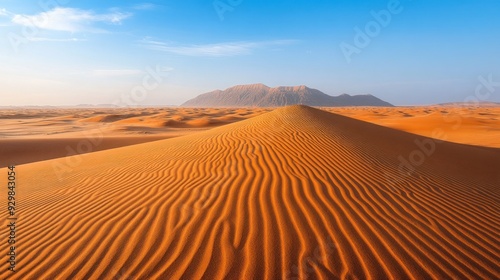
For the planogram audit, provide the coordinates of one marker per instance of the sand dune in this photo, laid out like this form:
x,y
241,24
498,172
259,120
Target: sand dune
x,y
22,151
64,123
292,194
471,125
40,134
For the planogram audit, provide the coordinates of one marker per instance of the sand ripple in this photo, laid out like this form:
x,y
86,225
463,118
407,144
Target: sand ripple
x,y
292,194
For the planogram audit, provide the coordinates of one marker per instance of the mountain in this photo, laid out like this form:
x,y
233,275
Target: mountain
x,y
259,95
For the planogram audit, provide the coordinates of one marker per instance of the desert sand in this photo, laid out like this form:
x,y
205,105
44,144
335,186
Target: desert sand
x,y
32,135
461,124
290,193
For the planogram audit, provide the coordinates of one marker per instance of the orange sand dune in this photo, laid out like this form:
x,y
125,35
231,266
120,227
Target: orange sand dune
x,y
297,193
65,123
22,151
33,135
478,126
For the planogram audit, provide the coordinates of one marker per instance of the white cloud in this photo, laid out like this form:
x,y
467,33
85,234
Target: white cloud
x,y
69,19
116,72
214,50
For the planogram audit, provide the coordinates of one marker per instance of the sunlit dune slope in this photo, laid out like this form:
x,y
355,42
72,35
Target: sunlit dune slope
x,y
295,193
471,125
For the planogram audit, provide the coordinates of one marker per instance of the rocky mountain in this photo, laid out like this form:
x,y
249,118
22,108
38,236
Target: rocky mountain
x,y
259,95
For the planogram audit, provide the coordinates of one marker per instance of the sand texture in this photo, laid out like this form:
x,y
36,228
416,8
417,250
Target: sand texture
x,y
296,193
31,135
471,125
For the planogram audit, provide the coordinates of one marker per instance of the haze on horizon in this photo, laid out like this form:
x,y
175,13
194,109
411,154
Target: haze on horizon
x,y
93,52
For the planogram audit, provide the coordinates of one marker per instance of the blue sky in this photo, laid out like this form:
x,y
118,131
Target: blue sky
x,y
64,52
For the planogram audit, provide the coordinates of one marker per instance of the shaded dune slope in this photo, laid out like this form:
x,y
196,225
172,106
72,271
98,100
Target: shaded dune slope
x,y
22,151
296,193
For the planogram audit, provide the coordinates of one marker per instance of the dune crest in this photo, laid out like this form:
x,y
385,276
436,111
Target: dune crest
x,y
291,194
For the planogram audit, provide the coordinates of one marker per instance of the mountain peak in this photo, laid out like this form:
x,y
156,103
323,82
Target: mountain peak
x,y
260,95
250,86
293,88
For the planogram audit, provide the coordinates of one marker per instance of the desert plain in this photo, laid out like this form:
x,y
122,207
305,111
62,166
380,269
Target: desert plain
x,y
253,193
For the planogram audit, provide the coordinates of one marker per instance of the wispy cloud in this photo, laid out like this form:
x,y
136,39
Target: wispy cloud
x,y
42,39
3,12
145,6
70,19
116,72
214,50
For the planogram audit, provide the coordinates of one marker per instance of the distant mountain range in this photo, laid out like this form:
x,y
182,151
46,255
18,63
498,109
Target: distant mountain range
x,y
259,95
